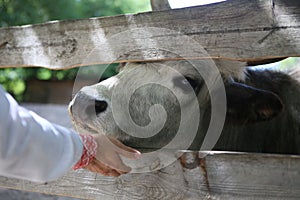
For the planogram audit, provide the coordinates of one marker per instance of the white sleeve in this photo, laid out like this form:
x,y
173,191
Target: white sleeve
x,y
31,147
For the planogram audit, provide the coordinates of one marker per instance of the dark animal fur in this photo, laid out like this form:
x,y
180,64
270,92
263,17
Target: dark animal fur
x,y
278,135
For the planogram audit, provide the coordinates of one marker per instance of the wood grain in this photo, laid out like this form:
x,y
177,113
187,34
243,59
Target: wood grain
x,y
196,175
235,29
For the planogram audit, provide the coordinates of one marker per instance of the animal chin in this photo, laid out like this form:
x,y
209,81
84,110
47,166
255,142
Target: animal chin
x,y
89,129
120,135
84,128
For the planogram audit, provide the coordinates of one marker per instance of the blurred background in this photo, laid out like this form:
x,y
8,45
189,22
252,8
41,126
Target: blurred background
x,y
40,85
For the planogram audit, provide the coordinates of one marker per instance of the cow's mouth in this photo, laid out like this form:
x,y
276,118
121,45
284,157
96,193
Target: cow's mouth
x,y
83,128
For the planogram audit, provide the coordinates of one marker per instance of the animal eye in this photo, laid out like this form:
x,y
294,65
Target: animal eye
x,y
192,82
186,83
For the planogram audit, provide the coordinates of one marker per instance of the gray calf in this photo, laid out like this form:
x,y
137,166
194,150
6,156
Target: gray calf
x,y
262,107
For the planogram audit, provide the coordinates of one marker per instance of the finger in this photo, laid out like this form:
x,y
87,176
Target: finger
x,y
100,168
93,167
106,170
96,166
114,161
118,146
117,172
126,151
113,173
95,170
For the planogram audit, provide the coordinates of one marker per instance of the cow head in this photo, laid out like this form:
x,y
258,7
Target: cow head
x,y
146,103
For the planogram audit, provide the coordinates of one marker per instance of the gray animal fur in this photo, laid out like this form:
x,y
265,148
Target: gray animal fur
x,y
278,132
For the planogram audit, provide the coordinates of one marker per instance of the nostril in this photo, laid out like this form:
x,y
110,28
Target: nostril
x,y
96,108
100,106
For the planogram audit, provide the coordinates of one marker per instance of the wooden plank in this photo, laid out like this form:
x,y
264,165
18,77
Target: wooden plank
x,y
235,29
160,5
205,175
217,176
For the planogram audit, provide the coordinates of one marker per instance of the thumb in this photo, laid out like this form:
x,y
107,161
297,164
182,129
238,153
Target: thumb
x,y
124,150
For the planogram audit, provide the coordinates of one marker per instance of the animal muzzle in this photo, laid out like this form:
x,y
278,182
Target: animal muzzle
x,y
86,107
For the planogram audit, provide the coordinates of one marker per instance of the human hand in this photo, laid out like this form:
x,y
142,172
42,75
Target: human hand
x,y
107,160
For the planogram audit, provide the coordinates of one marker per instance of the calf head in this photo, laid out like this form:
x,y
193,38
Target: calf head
x,y
147,104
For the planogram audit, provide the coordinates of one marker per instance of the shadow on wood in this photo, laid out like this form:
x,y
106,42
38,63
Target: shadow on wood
x,y
235,29
204,175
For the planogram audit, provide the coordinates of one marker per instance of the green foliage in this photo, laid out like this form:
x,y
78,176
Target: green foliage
x,y
95,70
16,12
13,82
289,63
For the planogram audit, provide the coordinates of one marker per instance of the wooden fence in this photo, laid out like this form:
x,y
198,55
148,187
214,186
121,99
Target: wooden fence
x,y
256,31
237,29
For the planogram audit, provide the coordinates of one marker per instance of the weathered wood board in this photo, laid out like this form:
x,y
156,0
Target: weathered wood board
x,y
235,29
218,175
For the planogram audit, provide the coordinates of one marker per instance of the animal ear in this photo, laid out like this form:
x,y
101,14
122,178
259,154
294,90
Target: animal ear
x,y
246,104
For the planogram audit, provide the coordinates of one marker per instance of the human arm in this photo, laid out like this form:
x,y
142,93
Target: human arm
x,y
31,147
34,149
